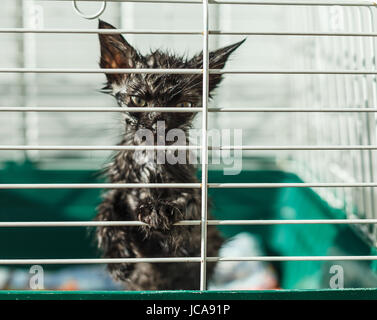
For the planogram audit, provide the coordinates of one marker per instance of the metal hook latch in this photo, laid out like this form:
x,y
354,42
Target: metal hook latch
x,y
90,17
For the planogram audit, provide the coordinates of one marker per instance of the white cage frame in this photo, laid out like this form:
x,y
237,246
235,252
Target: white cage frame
x,y
204,184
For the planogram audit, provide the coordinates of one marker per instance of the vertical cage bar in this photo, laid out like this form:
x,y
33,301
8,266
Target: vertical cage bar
x,y
338,47
355,118
359,102
311,161
353,193
299,131
337,195
367,125
203,260
217,17
28,89
320,171
372,23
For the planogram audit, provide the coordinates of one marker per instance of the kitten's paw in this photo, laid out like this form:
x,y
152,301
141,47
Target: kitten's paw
x,y
157,215
148,214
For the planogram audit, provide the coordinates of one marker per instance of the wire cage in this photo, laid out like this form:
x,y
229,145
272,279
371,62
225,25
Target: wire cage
x,y
340,91
301,92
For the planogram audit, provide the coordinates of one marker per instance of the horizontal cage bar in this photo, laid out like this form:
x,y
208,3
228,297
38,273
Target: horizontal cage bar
x,y
88,223
183,185
99,185
184,71
182,260
298,34
178,147
94,109
100,148
294,258
97,261
188,32
350,72
34,224
95,71
260,3
98,31
295,148
292,185
169,109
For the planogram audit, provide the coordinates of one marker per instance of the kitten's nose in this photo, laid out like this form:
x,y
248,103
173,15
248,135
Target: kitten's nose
x,y
149,119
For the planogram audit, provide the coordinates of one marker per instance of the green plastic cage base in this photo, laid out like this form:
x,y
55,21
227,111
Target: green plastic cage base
x,y
278,240
333,294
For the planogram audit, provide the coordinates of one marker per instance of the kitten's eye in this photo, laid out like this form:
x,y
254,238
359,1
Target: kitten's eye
x,y
138,102
186,104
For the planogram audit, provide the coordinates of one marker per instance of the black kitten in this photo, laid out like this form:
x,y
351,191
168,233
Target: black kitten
x,y
159,208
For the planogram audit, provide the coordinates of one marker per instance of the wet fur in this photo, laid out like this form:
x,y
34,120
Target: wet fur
x,y
159,208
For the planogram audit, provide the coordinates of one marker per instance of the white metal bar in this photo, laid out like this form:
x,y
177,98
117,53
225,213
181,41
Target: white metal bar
x,y
372,24
186,32
177,147
351,200
33,224
295,258
98,31
341,137
292,185
97,109
4,186
183,260
97,261
368,132
299,3
327,72
183,71
348,58
292,148
145,1
280,222
95,71
204,154
100,148
299,34
98,185
260,3
169,109
28,92
357,100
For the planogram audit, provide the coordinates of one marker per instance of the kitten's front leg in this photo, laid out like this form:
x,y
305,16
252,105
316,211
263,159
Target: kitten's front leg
x,y
114,241
116,244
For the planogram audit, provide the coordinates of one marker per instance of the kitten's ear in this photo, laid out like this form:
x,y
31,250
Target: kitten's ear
x,y
217,60
116,53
